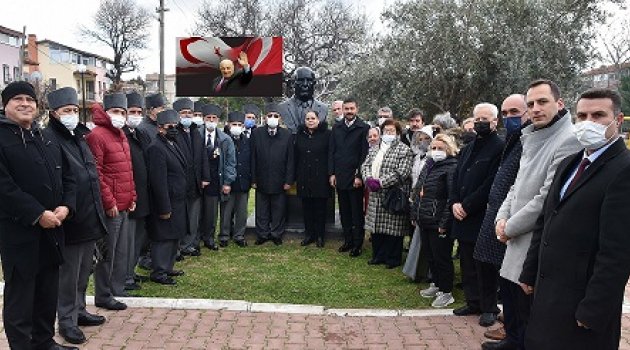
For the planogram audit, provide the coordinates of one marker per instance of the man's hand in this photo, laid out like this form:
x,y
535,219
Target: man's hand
x,y
580,324
49,220
242,60
333,181
204,184
459,212
133,206
165,216
286,187
527,289
61,212
112,213
226,189
357,182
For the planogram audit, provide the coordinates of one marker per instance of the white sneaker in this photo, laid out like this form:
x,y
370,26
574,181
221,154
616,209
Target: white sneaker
x,y
429,292
442,300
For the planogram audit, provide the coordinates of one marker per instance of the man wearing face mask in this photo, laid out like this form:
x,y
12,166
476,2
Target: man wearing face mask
x,y
294,109
272,175
167,178
488,250
234,209
155,104
191,144
546,143
139,141
86,226
416,123
110,148
578,262
469,135
252,112
476,167
219,153
198,116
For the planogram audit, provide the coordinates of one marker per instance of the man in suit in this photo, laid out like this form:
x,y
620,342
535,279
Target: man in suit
x,y
294,109
230,80
252,113
37,194
579,260
155,103
347,151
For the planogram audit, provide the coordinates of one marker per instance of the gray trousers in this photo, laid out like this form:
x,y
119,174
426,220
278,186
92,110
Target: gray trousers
x,y
191,238
234,208
270,214
163,255
210,212
137,239
73,281
110,273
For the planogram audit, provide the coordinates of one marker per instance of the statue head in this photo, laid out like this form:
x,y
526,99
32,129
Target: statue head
x,y
304,83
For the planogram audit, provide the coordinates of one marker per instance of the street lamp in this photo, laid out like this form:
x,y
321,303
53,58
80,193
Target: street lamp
x,y
82,68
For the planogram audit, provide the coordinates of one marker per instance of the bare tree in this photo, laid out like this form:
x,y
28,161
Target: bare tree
x,y
616,41
123,26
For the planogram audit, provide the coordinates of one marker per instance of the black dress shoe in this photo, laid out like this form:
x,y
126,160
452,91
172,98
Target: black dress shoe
x,y
132,286
223,244
375,262
356,252
175,273
487,319
260,241
241,244
346,247
88,320
504,344
56,346
195,252
276,240
320,242
307,241
166,280
186,251
211,245
112,305
466,310
73,335
179,257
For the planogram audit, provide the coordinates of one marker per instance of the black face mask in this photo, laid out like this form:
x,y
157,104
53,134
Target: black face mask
x,y
482,128
171,134
468,137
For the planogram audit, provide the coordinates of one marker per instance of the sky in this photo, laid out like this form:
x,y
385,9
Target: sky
x,y
48,20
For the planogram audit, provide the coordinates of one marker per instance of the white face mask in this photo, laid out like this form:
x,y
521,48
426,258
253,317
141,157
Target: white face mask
x,y
211,125
197,120
134,120
381,121
388,138
70,121
591,135
438,155
118,121
273,122
339,118
236,130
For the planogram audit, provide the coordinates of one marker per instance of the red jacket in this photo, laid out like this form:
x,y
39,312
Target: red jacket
x,y
113,162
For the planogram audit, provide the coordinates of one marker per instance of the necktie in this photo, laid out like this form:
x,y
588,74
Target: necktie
x,y
219,86
583,164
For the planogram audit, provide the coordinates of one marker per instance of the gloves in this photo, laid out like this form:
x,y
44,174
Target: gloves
x,y
373,184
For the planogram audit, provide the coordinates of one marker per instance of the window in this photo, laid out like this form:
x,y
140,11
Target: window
x,y
6,77
53,84
16,73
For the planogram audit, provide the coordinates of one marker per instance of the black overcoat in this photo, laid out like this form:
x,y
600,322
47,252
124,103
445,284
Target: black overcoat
x,y
311,162
272,160
347,151
139,142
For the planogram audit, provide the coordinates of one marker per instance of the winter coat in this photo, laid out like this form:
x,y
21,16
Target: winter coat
x,y
35,176
272,160
395,168
579,259
430,207
311,162
543,150
347,151
192,146
113,162
227,157
243,157
139,141
149,127
476,168
167,183
88,222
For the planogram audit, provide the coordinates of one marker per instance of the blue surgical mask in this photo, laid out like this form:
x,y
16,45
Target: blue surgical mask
x,y
512,124
249,123
186,122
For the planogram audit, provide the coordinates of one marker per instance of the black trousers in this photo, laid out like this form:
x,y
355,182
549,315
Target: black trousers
x,y
163,255
30,307
440,250
314,210
387,249
516,310
351,215
270,214
488,277
474,275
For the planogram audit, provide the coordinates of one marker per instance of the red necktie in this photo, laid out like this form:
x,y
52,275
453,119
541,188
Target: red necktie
x,y
219,85
583,164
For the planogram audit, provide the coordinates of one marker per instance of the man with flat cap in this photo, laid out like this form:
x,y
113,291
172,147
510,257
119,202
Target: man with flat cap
x,y
84,228
167,177
191,144
219,152
252,113
37,194
293,110
110,148
272,175
155,103
139,141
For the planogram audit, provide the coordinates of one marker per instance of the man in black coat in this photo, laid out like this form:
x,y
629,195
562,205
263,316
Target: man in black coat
x,y
272,175
416,122
86,226
155,104
37,194
231,81
578,262
139,141
477,165
167,183
347,151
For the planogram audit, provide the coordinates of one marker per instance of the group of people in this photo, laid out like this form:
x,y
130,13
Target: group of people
x,y
538,215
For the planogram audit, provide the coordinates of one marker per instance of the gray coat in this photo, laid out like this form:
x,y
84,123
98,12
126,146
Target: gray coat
x,y
149,126
543,150
396,165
